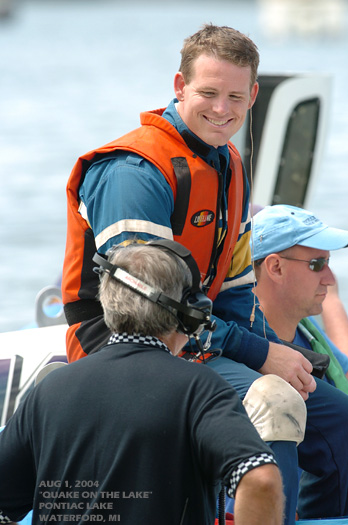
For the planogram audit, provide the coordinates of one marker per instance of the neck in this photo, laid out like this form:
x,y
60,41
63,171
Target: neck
x,y
278,316
175,341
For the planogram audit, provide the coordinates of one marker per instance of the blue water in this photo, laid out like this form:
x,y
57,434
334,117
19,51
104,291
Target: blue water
x,y
76,74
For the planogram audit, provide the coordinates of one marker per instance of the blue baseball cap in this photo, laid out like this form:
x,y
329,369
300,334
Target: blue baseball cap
x,y
279,227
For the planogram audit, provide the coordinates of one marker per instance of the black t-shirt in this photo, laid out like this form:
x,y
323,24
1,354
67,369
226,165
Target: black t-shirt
x,y
131,434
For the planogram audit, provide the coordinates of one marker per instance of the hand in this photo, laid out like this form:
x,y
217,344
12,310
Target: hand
x,y
291,366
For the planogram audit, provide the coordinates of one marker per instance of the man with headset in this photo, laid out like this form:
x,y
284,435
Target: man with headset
x,y
133,434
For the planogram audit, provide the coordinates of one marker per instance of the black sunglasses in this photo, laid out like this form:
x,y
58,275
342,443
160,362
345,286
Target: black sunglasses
x,y
316,265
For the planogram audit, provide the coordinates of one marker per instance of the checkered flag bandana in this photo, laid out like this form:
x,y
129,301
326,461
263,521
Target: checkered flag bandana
x,y
4,519
137,338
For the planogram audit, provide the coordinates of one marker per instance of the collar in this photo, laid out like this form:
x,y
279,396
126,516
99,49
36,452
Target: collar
x,y
149,340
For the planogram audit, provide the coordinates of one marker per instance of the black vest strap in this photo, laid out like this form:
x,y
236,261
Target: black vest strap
x,y
82,310
183,177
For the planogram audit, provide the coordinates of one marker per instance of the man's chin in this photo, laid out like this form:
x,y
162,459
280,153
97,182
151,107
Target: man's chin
x,y
216,141
317,310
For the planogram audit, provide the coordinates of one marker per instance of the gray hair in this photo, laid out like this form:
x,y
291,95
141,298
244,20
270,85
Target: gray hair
x,y
127,311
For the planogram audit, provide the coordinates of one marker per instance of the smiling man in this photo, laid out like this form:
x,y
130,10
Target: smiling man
x,y
177,176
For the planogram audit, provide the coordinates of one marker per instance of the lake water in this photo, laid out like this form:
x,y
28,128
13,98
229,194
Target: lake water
x,y
76,74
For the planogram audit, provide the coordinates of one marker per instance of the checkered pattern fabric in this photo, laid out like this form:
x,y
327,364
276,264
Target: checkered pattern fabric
x,y
4,519
245,466
137,338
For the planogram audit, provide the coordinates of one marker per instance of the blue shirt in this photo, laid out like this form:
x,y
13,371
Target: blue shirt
x,y
124,197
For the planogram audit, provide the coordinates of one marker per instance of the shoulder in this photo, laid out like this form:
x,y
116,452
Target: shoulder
x,y
116,162
123,169
199,375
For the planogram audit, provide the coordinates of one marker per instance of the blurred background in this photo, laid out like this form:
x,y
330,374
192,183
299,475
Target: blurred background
x,y
75,74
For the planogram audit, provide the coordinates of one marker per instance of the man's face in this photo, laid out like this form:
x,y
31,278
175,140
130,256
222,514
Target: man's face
x,y
305,290
215,102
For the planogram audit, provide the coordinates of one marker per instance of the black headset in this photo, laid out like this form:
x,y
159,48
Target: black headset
x,y
193,312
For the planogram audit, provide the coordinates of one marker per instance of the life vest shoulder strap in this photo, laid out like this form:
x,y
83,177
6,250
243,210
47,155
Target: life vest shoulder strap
x,y
183,179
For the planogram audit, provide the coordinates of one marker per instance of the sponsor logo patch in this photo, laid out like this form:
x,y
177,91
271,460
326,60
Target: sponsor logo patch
x,y
310,220
202,218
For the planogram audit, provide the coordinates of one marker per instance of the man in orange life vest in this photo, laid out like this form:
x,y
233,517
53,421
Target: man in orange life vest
x,y
178,177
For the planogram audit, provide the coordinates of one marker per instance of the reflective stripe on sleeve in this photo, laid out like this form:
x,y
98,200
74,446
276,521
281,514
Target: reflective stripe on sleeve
x,y
133,226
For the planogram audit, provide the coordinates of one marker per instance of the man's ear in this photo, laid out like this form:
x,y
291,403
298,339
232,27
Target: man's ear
x,y
179,86
273,266
253,94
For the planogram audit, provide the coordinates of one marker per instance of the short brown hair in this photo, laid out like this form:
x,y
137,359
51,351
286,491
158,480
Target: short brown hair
x,y
222,42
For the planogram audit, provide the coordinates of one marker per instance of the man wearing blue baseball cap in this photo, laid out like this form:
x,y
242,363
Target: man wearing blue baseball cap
x,y
291,250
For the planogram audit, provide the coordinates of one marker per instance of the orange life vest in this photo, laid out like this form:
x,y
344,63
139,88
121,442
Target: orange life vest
x,y
196,213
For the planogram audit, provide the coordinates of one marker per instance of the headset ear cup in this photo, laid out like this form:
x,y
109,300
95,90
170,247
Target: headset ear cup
x,y
188,324
198,313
